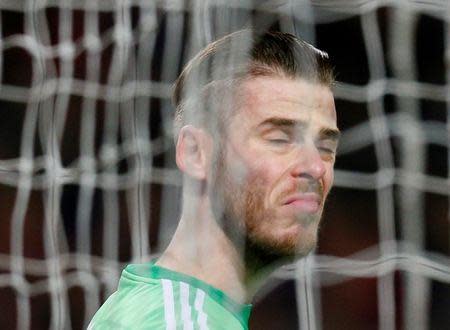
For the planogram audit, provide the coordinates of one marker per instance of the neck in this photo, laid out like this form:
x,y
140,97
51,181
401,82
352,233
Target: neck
x,y
201,249
260,264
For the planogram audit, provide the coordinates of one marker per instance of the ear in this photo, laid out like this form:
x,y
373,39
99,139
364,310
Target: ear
x,y
193,151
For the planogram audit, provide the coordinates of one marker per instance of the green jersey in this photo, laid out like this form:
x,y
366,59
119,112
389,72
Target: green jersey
x,y
153,297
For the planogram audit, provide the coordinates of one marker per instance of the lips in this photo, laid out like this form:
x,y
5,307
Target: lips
x,y
304,202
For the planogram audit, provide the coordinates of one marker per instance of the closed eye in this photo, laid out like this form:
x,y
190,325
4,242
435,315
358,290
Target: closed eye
x,y
278,137
279,141
327,150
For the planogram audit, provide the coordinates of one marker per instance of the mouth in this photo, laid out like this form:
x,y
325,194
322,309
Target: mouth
x,y
304,202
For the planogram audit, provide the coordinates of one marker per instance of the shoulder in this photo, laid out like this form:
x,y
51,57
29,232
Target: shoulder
x,y
143,302
176,305
190,307
137,302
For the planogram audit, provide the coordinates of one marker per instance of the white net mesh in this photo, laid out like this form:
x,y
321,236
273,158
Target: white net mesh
x,y
88,182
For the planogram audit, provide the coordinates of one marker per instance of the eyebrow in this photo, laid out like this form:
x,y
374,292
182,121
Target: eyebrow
x,y
324,133
282,122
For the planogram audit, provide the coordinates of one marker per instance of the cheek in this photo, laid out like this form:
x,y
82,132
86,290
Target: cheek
x,y
255,168
237,168
266,179
266,173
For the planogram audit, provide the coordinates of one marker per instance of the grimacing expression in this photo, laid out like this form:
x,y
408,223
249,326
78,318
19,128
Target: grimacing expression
x,y
274,167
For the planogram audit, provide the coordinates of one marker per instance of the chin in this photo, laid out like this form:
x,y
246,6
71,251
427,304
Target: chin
x,y
298,239
304,248
297,247
280,246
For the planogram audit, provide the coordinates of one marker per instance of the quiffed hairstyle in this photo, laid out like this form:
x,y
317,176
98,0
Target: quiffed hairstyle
x,y
203,93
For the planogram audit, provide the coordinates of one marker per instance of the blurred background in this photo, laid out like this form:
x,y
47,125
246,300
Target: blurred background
x,y
88,181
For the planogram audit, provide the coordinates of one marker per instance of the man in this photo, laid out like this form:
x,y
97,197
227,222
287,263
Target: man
x,y
256,138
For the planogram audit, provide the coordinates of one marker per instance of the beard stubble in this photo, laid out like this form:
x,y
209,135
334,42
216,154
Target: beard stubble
x,y
249,224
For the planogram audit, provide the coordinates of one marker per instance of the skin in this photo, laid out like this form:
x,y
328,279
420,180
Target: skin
x,y
256,198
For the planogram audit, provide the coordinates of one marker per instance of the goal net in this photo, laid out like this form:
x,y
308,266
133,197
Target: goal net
x,y
88,181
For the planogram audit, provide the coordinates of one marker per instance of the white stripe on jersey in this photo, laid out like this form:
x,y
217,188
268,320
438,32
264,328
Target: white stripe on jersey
x,y
198,305
169,305
185,307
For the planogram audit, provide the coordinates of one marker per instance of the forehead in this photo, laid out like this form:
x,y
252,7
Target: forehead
x,y
296,99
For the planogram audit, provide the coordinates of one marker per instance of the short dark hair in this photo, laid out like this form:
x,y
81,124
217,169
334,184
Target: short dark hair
x,y
201,89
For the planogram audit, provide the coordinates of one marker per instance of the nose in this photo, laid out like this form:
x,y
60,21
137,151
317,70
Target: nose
x,y
308,163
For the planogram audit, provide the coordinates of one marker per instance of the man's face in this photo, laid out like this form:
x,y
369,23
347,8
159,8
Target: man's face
x,y
274,167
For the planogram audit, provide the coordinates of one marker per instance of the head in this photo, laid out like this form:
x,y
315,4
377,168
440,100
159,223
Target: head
x,y
262,109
